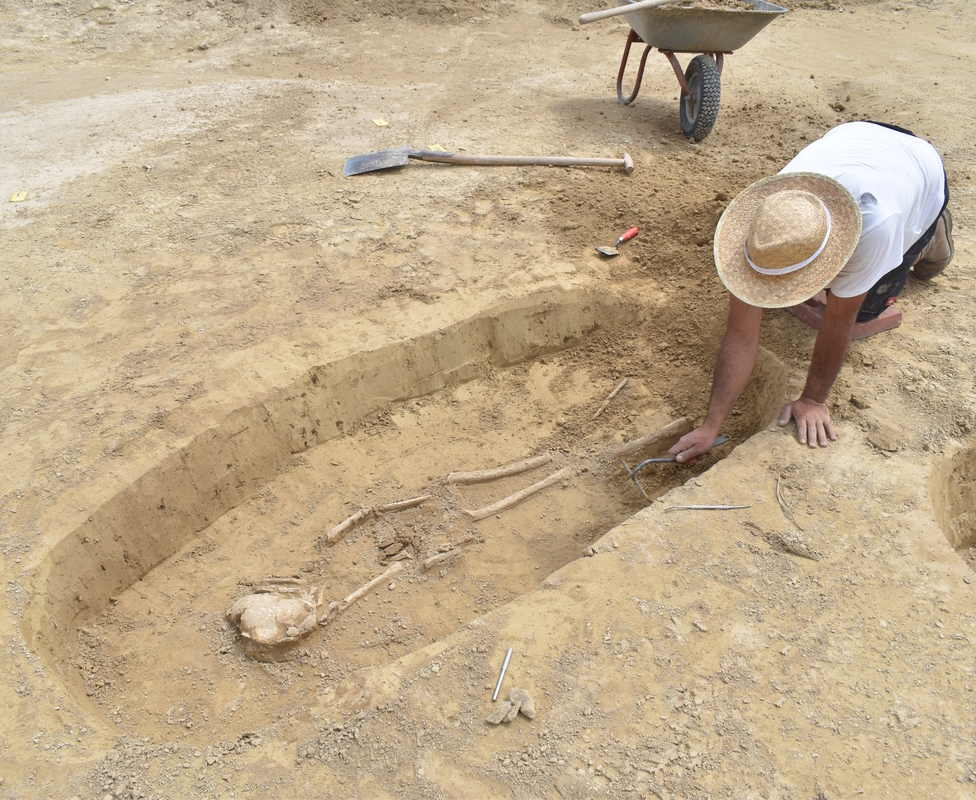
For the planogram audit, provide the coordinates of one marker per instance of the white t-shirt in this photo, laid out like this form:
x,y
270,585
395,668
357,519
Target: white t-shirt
x,y
899,183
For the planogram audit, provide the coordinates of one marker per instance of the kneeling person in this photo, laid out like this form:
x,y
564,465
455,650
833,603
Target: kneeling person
x,y
854,212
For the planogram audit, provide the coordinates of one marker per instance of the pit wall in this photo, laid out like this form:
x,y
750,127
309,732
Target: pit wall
x,y
952,488
167,507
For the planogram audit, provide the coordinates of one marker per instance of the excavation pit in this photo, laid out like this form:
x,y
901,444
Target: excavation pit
x,y
130,608
953,491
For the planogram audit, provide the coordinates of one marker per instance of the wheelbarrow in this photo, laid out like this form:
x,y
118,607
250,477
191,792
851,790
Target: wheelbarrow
x,y
710,31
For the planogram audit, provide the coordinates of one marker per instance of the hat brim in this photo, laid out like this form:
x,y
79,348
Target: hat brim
x,y
781,291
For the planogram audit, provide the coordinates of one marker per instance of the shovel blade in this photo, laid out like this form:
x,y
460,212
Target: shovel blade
x,y
371,162
608,251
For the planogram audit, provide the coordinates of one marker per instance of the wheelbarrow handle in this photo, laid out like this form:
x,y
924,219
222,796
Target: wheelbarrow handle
x,y
595,16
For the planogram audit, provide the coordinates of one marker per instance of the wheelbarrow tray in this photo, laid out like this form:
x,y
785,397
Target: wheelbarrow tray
x,y
701,30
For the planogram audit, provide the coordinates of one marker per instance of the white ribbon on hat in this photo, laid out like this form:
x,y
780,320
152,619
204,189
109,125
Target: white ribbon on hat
x,y
791,267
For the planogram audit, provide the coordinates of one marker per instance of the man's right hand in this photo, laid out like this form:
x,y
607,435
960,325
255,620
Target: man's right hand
x,y
692,446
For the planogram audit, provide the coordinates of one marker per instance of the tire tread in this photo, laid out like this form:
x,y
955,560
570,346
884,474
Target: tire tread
x,y
711,98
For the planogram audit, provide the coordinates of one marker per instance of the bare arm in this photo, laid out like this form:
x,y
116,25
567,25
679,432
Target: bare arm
x,y
733,366
813,424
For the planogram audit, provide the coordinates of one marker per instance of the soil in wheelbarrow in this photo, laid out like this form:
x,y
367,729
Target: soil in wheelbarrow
x,y
731,5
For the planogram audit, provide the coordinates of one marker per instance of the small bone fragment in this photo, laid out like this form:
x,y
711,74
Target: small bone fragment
x,y
669,433
499,713
463,540
403,505
610,397
330,614
403,555
786,508
518,497
347,525
284,587
441,558
511,715
291,579
486,475
362,591
525,701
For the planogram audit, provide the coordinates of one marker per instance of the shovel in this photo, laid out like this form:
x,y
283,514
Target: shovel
x,y
399,156
612,251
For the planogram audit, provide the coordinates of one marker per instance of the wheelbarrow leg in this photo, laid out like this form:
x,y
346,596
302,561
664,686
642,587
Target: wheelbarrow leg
x,y
633,37
676,66
678,72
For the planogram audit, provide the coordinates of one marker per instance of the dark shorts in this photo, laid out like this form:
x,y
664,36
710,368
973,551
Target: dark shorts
x,y
884,292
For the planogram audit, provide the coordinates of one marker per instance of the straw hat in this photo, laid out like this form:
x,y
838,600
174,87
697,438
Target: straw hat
x,y
785,237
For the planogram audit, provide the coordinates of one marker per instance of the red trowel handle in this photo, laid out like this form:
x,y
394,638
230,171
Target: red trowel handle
x,y
627,236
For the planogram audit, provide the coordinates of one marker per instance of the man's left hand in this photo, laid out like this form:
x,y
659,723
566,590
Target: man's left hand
x,y
812,421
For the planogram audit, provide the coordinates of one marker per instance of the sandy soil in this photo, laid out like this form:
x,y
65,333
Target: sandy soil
x,y
214,348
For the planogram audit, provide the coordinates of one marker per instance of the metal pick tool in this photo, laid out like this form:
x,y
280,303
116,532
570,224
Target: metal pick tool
x,y
666,459
501,677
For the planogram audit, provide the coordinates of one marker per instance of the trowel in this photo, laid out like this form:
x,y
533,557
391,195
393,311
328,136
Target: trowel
x,y
612,251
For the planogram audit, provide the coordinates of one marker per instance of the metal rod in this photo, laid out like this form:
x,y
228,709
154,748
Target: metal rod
x,y
704,508
501,677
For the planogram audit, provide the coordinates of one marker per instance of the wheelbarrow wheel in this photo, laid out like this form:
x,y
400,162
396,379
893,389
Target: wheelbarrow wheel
x,y
698,108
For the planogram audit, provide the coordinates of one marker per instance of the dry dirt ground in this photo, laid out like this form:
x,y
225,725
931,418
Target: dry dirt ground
x,y
214,348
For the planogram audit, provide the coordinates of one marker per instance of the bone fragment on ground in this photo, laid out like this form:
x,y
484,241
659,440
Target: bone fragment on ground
x,y
402,505
499,713
441,558
610,397
463,540
347,525
485,475
289,580
525,702
669,434
513,712
330,613
362,591
518,497
449,552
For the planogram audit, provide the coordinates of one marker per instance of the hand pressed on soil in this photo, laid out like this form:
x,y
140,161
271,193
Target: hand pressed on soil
x,y
813,424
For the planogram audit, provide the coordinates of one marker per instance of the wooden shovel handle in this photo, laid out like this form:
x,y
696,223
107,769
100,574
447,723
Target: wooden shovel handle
x,y
626,163
593,16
